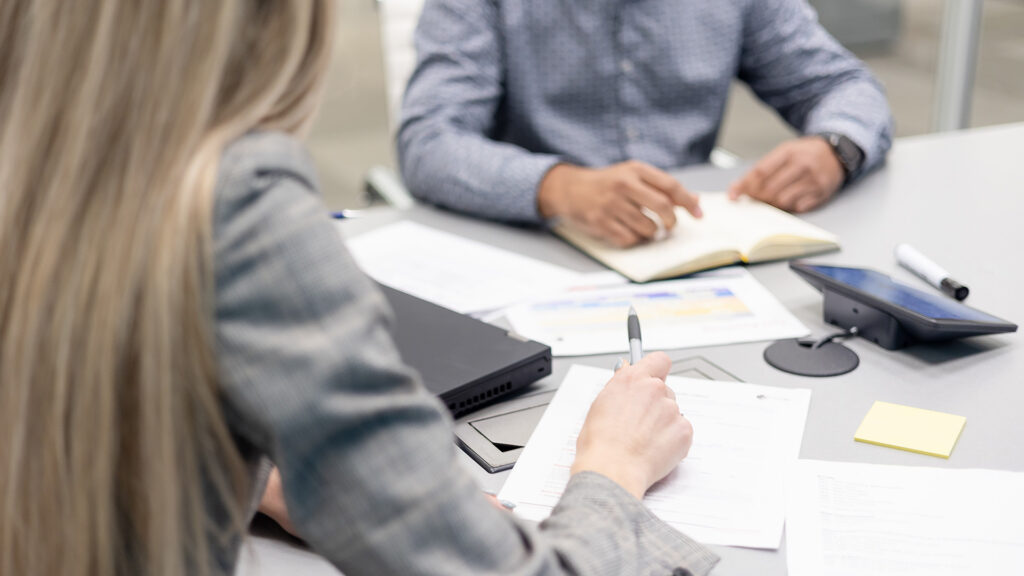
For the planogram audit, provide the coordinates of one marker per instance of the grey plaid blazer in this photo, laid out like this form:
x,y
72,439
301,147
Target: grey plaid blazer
x,y
310,378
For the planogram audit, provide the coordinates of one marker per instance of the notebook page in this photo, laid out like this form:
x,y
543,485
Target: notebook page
x,y
747,222
727,230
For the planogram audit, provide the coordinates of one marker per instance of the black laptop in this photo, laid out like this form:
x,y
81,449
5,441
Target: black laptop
x,y
466,362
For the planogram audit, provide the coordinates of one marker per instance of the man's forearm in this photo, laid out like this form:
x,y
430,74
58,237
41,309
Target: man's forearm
x,y
471,173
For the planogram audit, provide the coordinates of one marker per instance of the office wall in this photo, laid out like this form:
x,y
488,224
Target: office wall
x,y
351,132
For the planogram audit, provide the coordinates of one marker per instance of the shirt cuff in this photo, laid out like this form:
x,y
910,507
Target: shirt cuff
x,y
874,146
523,177
595,500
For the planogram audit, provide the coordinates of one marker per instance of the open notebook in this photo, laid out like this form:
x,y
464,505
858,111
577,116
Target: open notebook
x,y
742,231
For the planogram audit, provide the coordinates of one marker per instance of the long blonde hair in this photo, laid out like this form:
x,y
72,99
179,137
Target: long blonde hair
x,y
114,453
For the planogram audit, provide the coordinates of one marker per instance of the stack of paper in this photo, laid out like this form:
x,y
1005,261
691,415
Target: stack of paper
x,y
729,490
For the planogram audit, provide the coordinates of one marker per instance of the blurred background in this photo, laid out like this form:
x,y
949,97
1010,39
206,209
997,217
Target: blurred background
x,y
899,40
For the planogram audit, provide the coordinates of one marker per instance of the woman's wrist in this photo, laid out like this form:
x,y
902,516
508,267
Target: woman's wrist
x,y
628,477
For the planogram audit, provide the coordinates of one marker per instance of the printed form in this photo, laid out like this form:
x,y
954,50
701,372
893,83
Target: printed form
x,y
723,306
854,519
729,490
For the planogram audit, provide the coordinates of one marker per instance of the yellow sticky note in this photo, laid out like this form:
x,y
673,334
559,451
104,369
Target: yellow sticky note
x,y
912,429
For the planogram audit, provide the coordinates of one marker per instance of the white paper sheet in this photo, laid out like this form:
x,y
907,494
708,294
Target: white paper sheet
x,y
846,519
457,273
722,307
730,488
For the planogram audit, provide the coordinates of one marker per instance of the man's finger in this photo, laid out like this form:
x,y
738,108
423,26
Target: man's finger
x,y
646,196
666,183
617,233
658,178
630,215
690,202
790,197
808,202
753,181
777,185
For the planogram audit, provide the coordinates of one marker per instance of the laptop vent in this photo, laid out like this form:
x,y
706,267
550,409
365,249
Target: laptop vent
x,y
469,403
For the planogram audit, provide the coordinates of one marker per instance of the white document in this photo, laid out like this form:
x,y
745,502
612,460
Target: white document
x,y
730,488
462,275
720,307
846,519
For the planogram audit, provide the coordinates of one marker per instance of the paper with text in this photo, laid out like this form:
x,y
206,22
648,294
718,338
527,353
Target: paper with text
x,y
460,274
721,307
846,519
730,488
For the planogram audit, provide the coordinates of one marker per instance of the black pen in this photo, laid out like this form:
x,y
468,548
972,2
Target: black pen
x,y
636,346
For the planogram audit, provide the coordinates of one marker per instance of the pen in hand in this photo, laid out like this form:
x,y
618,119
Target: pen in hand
x,y
636,347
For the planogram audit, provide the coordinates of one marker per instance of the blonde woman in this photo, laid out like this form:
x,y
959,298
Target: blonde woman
x,y
176,305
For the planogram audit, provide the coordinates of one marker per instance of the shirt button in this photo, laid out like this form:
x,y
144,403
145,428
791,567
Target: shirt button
x,y
626,65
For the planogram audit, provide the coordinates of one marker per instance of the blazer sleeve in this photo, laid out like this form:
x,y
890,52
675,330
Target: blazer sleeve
x,y
816,85
310,376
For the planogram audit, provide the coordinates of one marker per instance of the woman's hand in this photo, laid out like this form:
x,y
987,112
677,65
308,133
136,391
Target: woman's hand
x,y
634,433
272,503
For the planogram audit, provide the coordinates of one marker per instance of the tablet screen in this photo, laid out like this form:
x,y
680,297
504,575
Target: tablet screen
x,y
884,288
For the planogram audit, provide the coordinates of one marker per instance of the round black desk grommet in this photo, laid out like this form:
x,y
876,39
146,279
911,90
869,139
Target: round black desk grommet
x,y
801,358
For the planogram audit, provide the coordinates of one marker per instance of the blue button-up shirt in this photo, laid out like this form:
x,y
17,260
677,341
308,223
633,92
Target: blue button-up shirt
x,y
504,89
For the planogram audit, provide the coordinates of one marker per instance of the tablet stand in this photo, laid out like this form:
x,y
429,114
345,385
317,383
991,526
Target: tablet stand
x,y
825,357
872,324
810,357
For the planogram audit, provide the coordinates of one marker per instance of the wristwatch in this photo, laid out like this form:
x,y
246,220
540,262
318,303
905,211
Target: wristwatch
x,y
850,156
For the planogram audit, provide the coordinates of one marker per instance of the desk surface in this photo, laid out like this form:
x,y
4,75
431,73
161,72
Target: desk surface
x,y
958,197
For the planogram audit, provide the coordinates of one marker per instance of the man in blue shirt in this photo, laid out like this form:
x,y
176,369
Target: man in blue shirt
x,y
528,110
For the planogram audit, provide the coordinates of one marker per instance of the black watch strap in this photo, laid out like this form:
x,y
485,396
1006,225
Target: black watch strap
x,y
850,156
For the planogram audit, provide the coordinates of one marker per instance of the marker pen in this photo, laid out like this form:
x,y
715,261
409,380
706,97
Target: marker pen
x,y
929,271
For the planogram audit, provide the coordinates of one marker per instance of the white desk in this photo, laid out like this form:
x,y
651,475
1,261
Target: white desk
x,y
958,197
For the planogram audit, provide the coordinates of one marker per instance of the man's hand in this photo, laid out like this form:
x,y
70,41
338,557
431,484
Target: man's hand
x,y
610,203
797,175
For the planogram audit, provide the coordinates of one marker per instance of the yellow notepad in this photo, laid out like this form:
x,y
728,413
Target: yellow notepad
x,y
912,429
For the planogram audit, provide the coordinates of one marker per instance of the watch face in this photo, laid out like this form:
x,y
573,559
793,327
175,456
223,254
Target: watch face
x,y
848,153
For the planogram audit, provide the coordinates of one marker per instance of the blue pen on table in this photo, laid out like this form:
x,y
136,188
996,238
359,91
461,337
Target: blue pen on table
x,y
342,214
923,267
636,346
